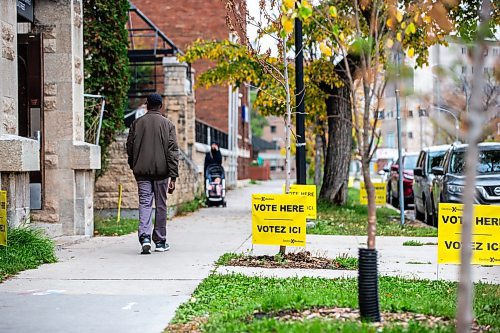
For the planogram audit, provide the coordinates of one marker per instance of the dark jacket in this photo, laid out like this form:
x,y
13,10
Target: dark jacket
x,y
152,147
213,158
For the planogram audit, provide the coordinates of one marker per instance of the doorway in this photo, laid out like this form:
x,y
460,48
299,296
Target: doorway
x,y
30,114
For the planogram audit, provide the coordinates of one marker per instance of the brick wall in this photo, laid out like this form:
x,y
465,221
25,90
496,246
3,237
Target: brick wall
x,y
184,22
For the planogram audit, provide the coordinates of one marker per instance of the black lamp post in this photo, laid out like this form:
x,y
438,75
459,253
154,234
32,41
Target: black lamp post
x,y
300,111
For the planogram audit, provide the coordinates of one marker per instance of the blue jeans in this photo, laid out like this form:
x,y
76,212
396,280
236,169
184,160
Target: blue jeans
x,y
148,188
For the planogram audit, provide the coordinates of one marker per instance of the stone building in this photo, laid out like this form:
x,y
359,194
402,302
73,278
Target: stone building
x,y
221,110
45,165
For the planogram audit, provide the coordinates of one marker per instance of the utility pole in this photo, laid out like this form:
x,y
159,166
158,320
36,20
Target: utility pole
x,y
300,111
400,143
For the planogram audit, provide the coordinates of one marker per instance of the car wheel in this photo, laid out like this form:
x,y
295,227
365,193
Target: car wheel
x,y
418,215
395,201
429,215
388,195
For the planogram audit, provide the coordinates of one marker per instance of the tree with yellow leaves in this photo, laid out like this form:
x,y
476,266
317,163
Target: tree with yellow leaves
x,y
277,22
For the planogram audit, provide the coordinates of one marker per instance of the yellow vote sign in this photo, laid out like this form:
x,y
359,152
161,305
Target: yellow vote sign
x,y
279,219
3,218
380,192
308,191
485,234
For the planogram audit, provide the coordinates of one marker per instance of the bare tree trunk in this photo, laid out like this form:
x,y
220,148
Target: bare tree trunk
x,y
317,159
476,122
372,208
338,154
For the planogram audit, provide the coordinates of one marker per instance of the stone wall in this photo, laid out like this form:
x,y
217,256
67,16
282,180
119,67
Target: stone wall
x,y
118,172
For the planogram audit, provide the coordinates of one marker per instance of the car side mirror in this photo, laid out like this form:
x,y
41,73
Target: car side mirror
x,y
418,172
438,171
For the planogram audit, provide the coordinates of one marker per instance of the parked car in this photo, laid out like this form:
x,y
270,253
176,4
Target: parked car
x,y
449,178
409,163
422,183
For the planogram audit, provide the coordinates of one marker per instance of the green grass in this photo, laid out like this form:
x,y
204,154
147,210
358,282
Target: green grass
x,y
191,206
226,258
352,219
346,262
27,248
229,302
109,227
413,243
253,182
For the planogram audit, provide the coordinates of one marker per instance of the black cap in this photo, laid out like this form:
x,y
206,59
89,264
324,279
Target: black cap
x,y
154,100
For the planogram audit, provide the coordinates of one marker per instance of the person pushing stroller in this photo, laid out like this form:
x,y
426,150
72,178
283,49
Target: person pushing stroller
x,y
214,176
213,157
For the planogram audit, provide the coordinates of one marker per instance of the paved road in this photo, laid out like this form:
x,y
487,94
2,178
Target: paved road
x,y
104,285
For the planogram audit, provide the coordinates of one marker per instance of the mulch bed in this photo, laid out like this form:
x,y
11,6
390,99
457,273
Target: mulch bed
x,y
348,314
290,260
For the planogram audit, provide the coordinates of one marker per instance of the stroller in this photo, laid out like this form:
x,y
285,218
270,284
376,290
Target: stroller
x,y
215,186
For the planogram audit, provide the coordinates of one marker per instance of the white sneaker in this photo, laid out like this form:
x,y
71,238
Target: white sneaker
x,y
162,247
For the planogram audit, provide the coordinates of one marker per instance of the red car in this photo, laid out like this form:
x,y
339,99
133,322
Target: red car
x,y
409,163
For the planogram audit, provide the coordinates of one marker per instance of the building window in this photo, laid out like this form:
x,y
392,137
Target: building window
x,y
495,51
410,135
379,114
410,113
464,69
464,50
391,140
273,129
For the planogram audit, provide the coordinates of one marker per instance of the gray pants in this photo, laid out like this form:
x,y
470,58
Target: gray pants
x,y
148,188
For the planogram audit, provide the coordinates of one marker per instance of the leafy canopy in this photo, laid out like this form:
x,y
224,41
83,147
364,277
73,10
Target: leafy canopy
x,y
105,42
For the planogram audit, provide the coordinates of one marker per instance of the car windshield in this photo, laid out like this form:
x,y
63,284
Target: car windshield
x,y
435,159
410,162
489,162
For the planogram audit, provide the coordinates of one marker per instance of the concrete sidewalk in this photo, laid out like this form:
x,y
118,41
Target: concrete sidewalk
x,y
104,285
414,262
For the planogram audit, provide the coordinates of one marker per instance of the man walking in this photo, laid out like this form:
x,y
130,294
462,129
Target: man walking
x,y
153,156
